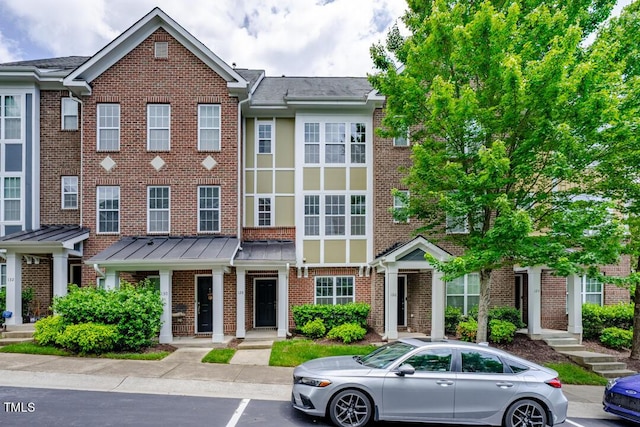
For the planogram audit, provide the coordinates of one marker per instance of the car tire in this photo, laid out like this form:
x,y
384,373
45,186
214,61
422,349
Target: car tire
x,y
525,413
350,408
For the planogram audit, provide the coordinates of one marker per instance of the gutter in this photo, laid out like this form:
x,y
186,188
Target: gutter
x,y
240,167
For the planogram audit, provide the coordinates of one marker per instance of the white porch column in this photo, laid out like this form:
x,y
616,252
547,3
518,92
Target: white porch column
x,y
283,302
534,297
166,332
218,306
14,288
241,286
60,273
112,279
574,304
391,330
438,303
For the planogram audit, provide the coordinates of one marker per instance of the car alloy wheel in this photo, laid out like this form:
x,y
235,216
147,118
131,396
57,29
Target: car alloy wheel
x,y
526,413
350,408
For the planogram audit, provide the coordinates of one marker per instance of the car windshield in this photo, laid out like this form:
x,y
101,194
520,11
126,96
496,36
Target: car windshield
x,y
386,355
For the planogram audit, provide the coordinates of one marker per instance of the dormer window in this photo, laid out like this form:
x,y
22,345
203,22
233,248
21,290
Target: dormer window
x,y
161,50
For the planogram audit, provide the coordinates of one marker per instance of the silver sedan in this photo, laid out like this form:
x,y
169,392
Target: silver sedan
x,y
448,382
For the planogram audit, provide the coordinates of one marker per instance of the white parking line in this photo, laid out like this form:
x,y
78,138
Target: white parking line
x,y
238,413
573,423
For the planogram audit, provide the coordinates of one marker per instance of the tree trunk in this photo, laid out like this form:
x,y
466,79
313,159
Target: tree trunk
x,y
635,342
483,306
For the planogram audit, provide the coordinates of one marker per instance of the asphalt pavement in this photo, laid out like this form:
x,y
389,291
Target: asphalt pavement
x,y
248,376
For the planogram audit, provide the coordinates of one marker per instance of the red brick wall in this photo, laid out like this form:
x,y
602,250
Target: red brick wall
x,y
183,81
269,233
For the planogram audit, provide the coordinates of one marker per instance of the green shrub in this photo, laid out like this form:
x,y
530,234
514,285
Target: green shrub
x,y
467,330
331,315
595,318
616,338
508,314
88,338
314,329
452,316
472,313
3,303
501,331
347,333
48,329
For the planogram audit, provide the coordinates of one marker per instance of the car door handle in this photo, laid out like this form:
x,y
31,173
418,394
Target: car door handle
x,y
444,383
504,385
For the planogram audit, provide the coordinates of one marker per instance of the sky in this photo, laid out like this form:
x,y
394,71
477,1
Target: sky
x,y
283,37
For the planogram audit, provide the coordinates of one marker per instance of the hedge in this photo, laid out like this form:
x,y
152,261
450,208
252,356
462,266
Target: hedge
x,y
596,317
331,315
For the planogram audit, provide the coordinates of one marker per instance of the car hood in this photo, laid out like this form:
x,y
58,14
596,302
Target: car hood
x,y
628,383
338,365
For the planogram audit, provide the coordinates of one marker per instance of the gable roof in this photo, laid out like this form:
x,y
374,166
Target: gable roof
x,y
61,63
45,238
411,252
80,78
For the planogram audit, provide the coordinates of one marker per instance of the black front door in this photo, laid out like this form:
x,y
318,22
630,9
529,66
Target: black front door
x,y
402,300
204,309
266,302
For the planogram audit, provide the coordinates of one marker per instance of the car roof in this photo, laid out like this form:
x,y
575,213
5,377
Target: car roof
x,y
428,342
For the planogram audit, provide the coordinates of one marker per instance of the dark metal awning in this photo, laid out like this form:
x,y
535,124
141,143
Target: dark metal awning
x,y
45,239
174,252
267,252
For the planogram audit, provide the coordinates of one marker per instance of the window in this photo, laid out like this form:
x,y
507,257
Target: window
x,y
401,141
334,216
312,142
398,206
69,114
591,290
481,362
264,138
358,216
311,215
334,290
108,127
460,224
464,292
264,211
108,209
358,143
335,140
69,192
161,50
158,127
12,201
158,213
208,127
209,209
10,117
3,275
434,360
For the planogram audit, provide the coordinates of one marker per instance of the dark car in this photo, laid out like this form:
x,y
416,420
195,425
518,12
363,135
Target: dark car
x,y
622,397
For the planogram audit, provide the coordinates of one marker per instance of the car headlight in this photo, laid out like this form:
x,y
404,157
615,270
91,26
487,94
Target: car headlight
x,y
611,383
313,382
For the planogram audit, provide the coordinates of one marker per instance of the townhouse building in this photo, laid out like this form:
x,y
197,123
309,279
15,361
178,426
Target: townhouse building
x,y
238,194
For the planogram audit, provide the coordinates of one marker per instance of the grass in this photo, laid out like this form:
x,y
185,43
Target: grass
x,y
33,348
294,352
569,373
158,355
219,355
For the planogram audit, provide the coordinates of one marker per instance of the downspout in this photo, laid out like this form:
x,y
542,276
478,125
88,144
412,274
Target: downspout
x,y
386,300
80,178
287,285
240,166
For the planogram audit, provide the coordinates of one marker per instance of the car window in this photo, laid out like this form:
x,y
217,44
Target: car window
x,y
516,367
386,355
479,361
432,360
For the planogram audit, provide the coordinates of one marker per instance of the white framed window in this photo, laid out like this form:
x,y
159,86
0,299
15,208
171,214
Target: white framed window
x,y
358,215
265,137
460,224
401,141
358,143
108,127
312,215
334,215
108,209
10,117
158,209
69,114
158,127
312,143
591,290
11,198
69,187
464,292
399,204
334,151
334,290
209,127
161,50
209,209
264,211
3,275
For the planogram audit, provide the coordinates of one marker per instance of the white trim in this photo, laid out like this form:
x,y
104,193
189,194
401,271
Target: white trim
x,y
98,127
219,209
63,193
109,210
271,137
257,210
166,128
400,206
167,210
65,105
217,116
333,287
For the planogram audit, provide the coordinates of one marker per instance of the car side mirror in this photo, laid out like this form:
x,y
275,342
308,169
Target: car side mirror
x,y
405,369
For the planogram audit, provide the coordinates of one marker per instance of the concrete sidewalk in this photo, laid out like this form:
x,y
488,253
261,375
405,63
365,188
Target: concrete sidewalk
x,y
182,373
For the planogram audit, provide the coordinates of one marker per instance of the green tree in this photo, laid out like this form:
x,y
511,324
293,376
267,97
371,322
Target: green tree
x,y
505,109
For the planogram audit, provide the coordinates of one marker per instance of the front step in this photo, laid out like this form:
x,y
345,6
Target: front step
x,y
255,345
17,334
9,341
615,373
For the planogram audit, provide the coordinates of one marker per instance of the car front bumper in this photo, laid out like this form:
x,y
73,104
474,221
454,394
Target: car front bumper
x,y
311,400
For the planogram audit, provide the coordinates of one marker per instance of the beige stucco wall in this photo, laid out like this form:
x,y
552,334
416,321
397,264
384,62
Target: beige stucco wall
x,y
285,143
335,179
335,251
285,211
311,251
311,178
